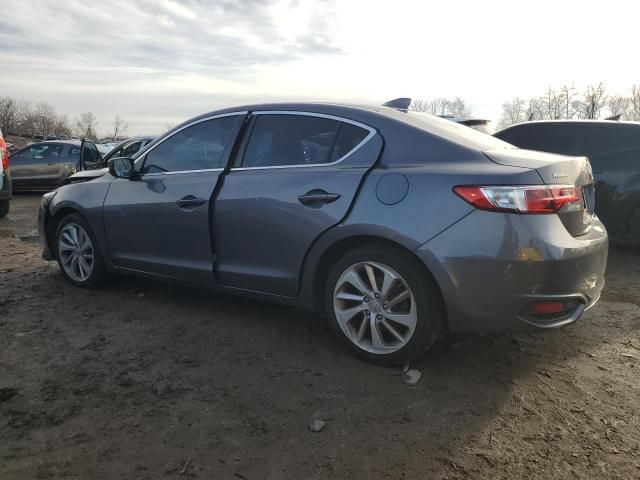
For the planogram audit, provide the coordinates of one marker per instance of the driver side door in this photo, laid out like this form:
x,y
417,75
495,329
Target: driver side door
x,y
158,221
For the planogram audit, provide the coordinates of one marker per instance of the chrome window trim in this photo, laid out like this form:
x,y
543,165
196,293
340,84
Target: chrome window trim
x,y
372,133
182,171
144,152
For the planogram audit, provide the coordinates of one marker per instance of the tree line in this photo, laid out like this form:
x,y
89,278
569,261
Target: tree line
x,y
557,103
566,102
25,119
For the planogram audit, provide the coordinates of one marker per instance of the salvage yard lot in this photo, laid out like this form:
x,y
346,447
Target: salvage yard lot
x,y
142,379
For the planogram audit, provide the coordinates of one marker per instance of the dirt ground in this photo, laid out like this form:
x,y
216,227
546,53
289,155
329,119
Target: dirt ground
x,y
144,380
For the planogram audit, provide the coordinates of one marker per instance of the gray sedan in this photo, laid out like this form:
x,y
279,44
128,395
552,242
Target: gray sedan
x,y
394,225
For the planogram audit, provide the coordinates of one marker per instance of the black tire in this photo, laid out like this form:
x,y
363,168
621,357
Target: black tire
x,y
4,207
430,317
98,273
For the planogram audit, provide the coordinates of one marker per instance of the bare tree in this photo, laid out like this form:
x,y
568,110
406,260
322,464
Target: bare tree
x,y
535,109
569,93
8,114
26,119
443,106
513,111
618,105
553,106
45,117
593,101
119,127
634,110
86,125
61,127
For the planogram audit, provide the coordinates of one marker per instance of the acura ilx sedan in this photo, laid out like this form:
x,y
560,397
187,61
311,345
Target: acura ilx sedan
x,y
394,225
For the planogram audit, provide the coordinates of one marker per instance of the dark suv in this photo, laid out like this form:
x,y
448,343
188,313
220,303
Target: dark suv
x,y
614,151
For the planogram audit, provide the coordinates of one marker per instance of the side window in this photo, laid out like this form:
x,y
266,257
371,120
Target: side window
x,y
199,147
614,147
281,140
349,137
41,153
131,149
545,137
74,151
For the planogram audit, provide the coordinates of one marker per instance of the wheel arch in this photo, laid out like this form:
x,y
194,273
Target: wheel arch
x,y
54,220
340,247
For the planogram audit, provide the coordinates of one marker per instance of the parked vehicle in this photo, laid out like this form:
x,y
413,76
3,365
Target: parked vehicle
x,y
443,228
5,178
613,149
480,124
46,165
124,149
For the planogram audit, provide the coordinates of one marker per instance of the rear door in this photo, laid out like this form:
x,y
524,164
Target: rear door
x,y
295,177
158,222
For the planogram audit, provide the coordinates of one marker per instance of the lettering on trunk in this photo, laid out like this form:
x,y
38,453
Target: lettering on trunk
x,y
559,175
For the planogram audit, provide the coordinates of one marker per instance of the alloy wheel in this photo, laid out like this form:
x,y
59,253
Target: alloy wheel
x,y
75,251
375,307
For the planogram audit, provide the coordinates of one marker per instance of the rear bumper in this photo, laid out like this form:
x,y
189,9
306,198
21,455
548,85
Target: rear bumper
x,y
491,267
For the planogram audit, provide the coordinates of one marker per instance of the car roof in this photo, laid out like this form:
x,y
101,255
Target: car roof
x,y
57,142
577,122
374,116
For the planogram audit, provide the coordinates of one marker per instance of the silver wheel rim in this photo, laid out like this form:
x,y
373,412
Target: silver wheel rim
x,y
375,307
75,252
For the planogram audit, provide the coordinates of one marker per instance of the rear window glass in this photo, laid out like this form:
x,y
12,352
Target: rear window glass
x,y
544,137
448,130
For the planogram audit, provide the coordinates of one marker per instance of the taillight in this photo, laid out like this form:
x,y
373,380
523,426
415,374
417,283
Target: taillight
x,y
521,199
5,158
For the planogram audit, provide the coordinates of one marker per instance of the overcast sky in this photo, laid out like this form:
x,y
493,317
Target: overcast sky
x,y
158,62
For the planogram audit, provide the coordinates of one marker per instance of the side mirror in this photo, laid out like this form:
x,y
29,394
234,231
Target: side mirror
x,y
122,167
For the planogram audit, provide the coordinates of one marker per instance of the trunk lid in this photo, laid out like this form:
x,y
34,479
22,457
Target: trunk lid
x,y
557,169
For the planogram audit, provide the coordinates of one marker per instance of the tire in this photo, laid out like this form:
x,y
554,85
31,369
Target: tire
x,y
4,207
412,299
78,253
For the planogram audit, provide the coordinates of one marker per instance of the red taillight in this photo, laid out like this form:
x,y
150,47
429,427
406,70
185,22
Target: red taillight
x,y
520,199
5,158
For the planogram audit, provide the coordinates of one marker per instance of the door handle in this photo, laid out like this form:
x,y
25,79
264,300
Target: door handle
x,y
318,197
190,201
52,163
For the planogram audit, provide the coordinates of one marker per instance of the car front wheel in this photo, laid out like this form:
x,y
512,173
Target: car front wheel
x,y
382,306
77,252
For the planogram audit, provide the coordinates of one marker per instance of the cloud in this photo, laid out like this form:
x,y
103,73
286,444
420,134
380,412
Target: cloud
x,y
77,49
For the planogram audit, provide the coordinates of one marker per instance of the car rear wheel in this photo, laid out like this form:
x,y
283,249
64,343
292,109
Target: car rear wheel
x,y
78,253
4,207
382,307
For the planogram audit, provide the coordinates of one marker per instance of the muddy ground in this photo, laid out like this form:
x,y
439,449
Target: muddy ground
x,y
144,380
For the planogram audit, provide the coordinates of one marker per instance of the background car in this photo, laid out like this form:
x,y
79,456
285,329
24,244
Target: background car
x,y
127,148
613,149
5,178
46,165
301,204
